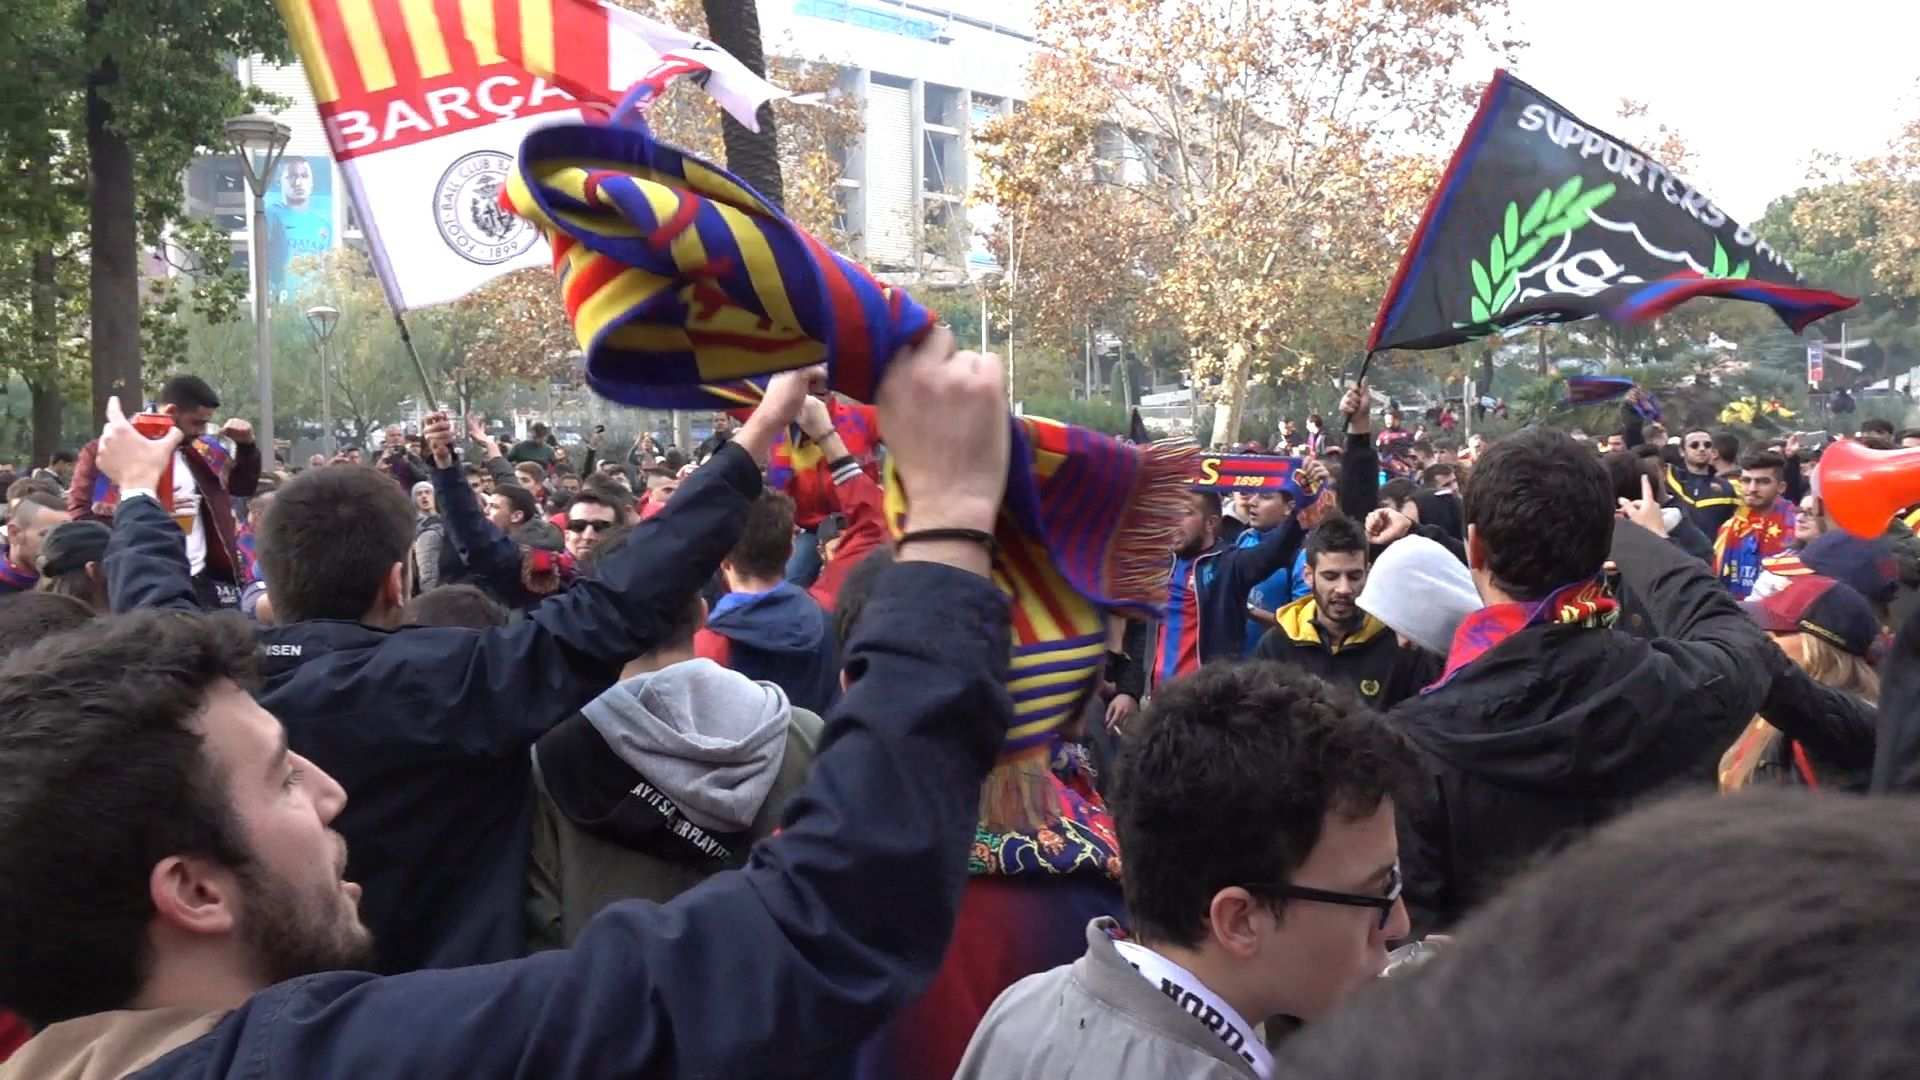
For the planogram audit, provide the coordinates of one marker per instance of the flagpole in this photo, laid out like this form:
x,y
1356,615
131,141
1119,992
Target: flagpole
x,y
419,368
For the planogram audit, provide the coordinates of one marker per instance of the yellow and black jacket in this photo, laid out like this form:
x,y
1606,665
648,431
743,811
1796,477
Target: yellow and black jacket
x,y
1370,661
1708,501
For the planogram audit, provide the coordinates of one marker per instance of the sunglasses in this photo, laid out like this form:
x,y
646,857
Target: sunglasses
x,y
1322,896
1699,446
575,525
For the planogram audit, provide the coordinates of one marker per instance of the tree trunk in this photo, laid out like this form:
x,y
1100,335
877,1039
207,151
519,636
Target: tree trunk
x,y
114,249
683,431
1544,366
1226,426
48,404
44,382
753,156
1486,367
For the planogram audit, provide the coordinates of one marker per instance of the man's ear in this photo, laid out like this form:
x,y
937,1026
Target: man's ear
x,y
94,573
1230,921
1476,549
192,895
393,590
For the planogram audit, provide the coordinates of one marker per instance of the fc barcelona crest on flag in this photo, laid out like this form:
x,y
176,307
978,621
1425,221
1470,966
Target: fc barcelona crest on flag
x,y
1542,217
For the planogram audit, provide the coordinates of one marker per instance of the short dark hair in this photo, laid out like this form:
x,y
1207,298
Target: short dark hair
x,y
28,617
189,392
39,500
522,500
1748,936
538,430
1338,535
1209,501
455,605
766,539
1726,445
1423,446
1876,441
1433,474
61,457
850,603
1764,459
1397,491
1877,425
1626,467
328,540
1542,506
607,493
471,469
1908,433
106,776
1227,780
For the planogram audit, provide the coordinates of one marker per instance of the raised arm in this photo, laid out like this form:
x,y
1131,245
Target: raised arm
x,y
1360,465
147,555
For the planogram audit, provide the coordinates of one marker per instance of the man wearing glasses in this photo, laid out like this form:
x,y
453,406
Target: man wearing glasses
x,y
1255,806
591,516
1707,499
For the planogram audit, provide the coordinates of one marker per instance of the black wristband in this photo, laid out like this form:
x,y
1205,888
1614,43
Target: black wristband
x,y
972,536
842,462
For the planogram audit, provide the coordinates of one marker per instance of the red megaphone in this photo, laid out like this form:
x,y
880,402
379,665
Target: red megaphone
x,y
1861,488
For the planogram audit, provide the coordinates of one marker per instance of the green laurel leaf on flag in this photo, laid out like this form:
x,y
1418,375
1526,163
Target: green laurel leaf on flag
x,y
1521,237
1719,261
1507,289
1741,270
1536,213
1563,195
1575,214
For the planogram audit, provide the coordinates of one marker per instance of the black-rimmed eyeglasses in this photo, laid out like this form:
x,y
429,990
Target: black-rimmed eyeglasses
x,y
582,525
1323,896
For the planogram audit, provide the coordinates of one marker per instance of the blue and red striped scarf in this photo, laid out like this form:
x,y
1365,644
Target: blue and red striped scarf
x,y
686,289
1584,603
212,451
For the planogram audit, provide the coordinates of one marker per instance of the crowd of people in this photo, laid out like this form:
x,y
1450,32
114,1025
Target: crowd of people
x,y
461,759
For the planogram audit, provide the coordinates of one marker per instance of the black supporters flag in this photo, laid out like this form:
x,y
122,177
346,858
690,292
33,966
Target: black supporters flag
x,y
1542,217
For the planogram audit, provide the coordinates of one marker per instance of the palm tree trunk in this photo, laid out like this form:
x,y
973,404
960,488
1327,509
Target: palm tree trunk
x,y
753,156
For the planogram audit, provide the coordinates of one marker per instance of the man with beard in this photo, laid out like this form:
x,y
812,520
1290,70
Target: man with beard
x,y
1207,594
1707,500
1326,633
1761,528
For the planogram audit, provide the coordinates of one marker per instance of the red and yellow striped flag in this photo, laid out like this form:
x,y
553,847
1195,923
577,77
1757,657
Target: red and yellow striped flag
x,y
425,102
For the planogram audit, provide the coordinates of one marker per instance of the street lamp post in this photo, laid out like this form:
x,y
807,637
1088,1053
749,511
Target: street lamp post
x,y
322,319
263,135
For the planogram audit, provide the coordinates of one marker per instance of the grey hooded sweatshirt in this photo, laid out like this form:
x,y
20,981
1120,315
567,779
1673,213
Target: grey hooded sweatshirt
x,y
663,780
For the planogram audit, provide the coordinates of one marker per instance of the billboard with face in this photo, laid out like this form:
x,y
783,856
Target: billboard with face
x,y
299,221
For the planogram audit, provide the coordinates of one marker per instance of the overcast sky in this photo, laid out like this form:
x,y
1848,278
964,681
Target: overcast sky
x,y
1756,88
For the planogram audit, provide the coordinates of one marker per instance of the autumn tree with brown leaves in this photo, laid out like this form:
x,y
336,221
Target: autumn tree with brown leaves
x,y
1246,173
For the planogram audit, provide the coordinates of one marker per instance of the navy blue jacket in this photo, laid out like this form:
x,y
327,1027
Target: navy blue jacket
x,y
487,557
780,636
1223,578
428,728
778,969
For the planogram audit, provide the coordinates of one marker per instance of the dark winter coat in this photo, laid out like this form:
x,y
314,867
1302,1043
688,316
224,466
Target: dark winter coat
x,y
1559,728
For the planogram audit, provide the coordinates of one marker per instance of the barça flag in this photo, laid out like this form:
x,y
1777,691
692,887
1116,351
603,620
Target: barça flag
x,y
1542,217
1247,472
425,102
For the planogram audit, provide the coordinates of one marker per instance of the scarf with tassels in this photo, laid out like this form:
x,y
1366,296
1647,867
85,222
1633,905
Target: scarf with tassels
x,y
685,288
1584,603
